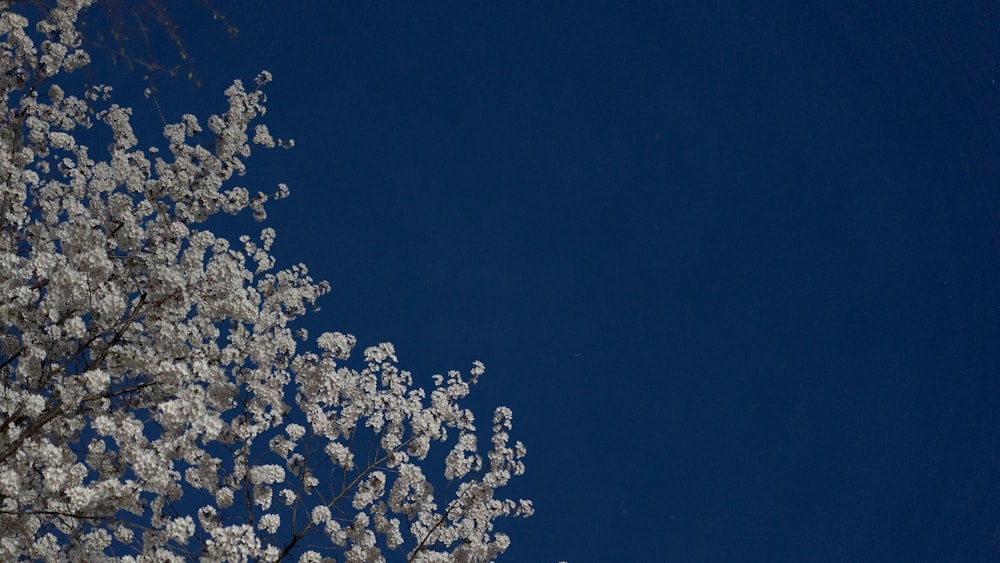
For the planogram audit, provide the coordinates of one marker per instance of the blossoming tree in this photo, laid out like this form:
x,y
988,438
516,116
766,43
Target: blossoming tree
x,y
156,405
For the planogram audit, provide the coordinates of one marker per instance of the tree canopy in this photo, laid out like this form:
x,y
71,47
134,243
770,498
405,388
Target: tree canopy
x,y
157,403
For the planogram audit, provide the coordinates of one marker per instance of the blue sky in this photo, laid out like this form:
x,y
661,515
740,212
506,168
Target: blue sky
x,y
734,267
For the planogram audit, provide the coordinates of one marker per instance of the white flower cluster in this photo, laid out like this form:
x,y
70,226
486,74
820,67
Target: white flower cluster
x,y
149,365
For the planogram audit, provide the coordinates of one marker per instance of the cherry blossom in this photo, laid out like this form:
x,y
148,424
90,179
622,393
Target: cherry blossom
x,y
157,404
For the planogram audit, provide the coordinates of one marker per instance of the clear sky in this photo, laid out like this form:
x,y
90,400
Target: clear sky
x,y
734,266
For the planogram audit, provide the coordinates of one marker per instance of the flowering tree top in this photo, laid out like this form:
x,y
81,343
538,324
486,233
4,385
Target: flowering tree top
x,y
156,405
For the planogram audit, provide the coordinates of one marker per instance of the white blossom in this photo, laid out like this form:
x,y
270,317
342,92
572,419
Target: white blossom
x,y
295,431
224,497
269,523
267,474
288,496
320,514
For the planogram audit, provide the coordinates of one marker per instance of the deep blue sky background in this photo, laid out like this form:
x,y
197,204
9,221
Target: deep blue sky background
x,y
734,267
